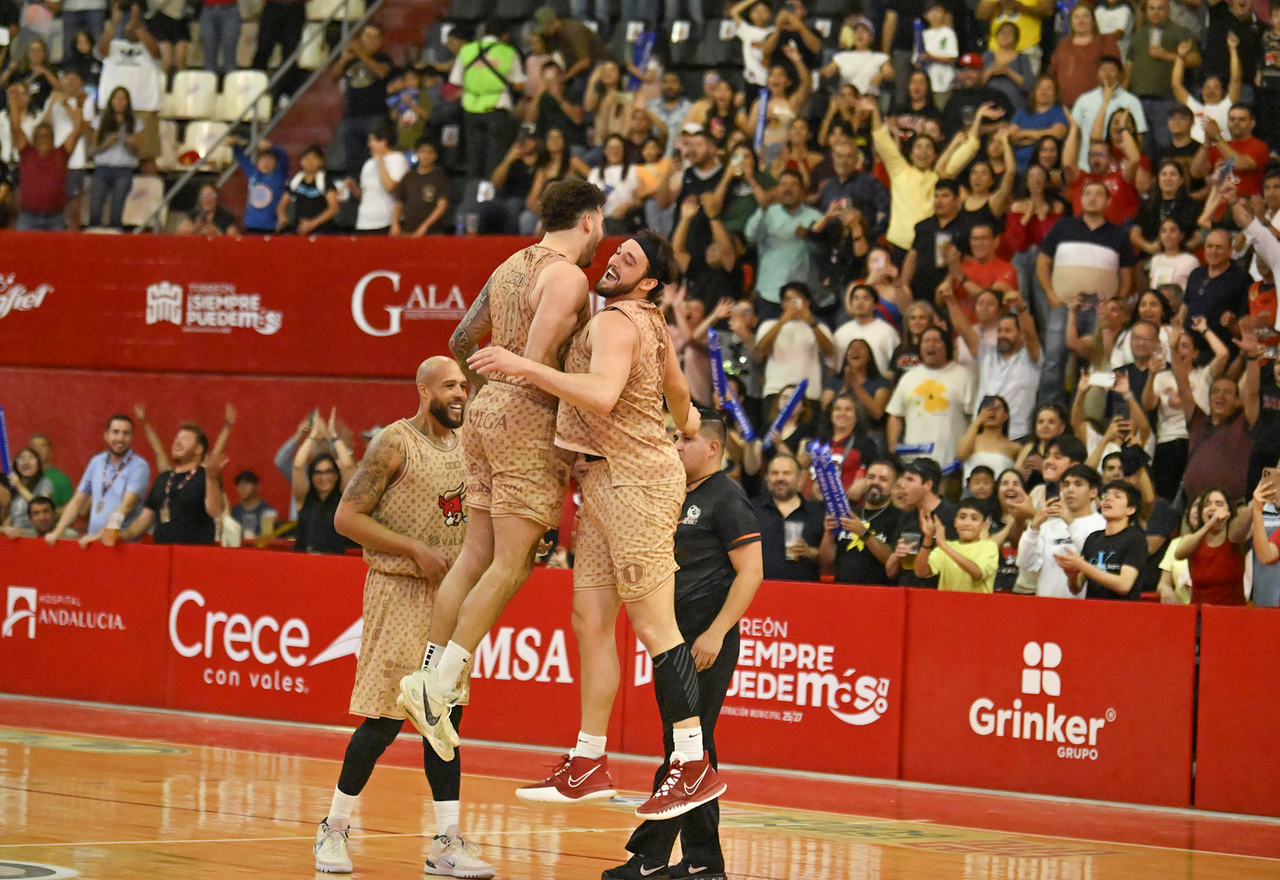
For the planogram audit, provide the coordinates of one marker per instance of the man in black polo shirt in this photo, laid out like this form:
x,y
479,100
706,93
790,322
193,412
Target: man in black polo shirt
x,y
857,548
790,526
926,263
921,480
1086,243
718,549
185,502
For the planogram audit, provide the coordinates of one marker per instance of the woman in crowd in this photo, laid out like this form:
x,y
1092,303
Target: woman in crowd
x,y
617,179
317,489
795,154
1034,211
114,147
1074,64
920,317
1043,118
983,200
607,100
1011,493
786,100
851,448
1050,422
910,117
1167,201
27,482
1194,349
1171,264
1215,552
1048,155
82,59
1005,68
883,276
860,379
1175,574
986,442
33,71
719,114
556,164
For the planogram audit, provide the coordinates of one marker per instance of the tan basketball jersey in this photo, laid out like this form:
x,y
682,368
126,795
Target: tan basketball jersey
x,y
511,308
427,501
632,436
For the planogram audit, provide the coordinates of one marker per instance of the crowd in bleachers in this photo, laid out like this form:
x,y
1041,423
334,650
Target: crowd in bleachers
x,y
1020,256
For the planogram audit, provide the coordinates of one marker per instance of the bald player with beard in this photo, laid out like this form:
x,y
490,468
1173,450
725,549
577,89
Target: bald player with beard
x,y
618,370
405,506
516,478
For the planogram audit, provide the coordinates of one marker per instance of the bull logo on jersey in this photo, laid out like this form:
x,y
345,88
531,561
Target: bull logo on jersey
x,y
451,506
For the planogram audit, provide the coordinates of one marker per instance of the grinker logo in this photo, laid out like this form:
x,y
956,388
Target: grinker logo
x,y
1040,676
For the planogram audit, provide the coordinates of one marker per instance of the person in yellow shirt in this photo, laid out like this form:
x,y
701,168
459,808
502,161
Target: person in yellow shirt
x,y
967,565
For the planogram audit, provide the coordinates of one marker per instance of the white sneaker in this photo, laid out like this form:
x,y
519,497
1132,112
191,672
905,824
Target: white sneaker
x,y
452,856
332,850
426,703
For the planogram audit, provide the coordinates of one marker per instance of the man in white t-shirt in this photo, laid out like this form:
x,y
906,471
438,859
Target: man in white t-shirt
x,y
928,412
72,94
1009,368
863,305
753,31
130,58
1066,520
378,178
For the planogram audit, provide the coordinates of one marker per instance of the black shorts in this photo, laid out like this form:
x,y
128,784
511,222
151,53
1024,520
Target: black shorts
x,y
169,30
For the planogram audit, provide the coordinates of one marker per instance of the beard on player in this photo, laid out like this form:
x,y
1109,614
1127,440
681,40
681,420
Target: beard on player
x,y
448,413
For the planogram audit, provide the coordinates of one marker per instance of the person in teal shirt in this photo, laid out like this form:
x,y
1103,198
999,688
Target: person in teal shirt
x,y
779,233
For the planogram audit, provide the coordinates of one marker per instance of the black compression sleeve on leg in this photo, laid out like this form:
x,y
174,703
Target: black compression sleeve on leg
x,y
367,744
444,777
675,681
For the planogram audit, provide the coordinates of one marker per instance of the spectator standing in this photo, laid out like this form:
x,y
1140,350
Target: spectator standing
x,y
580,47
73,95
857,63
1007,69
280,24
309,200
862,304
1149,63
1215,557
219,35
925,266
170,23
752,31
791,526
1218,290
794,344
671,108
1042,117
981,270
256,518
112,485
1009,369
1075,65
856,549
1026,15
1249,154
382,171
1068,519
33,71
919,488
131,58
267,173
512,182
42,167
81,15
421,196
928,409
184,503
1105,100
553,110
364,70
490,73
968,97
62,488
858,189
779,232
317,489
1112,559
1234,17
898,39
966,565
114,148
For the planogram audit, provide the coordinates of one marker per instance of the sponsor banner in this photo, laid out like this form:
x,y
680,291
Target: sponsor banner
x,y
284,306
1238,724
263,634
819,663
525,674
84,624
1083,699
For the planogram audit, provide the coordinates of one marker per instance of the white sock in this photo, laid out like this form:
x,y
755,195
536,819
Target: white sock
x,y
432,657
452,659
588,746
340,809
447,815
688,741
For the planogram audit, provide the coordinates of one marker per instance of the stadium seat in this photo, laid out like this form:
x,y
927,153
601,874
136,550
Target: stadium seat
x,y
195,94
198,143
145,196
683,39
719,46
240,89
320,10
314,52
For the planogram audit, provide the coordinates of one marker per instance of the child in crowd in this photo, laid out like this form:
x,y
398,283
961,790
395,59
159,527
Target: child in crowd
x,y
967,565
940,50
267,173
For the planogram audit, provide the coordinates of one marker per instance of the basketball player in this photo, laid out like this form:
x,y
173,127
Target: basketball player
x,y
404,505
617,372
516,478
721,567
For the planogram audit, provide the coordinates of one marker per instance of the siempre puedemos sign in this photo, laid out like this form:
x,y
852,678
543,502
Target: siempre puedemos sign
x,y
818,662
1050,696
209,308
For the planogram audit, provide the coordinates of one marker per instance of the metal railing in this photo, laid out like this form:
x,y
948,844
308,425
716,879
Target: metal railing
x,y
258,129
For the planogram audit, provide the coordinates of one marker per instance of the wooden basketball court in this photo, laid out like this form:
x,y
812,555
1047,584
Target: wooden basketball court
x,y
106,792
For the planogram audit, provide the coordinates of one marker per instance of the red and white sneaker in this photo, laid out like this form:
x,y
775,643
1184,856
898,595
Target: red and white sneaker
x,y
576,781
688,784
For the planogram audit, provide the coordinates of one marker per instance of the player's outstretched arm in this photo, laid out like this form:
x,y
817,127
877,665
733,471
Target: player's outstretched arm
x,y
473,327
562,308
613,349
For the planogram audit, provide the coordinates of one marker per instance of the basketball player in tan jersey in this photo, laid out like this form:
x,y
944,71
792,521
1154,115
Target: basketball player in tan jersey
x,y
618,370
405,505
516,478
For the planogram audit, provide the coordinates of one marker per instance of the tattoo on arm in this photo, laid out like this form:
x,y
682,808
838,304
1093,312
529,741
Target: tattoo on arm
x,y
379,468
474,325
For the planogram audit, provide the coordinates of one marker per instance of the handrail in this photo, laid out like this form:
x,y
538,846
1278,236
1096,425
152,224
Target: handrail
x,y
257,130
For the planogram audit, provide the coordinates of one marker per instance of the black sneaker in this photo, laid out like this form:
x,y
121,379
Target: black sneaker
x,y
689,870
636,869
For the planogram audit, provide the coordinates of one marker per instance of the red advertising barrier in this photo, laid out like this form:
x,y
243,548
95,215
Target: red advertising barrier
x,y
83,624
1238,729
820,664
262,633
525,674
286,306
1075,698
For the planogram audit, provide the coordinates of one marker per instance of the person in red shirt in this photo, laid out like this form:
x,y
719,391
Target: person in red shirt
x,y
981,271
42,167
1117,177
1250,154
1215,552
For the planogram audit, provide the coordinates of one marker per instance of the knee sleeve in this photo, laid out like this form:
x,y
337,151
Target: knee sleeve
x,y
444,777
675,681
367,744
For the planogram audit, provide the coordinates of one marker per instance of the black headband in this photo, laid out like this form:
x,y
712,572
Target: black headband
x,y
650,245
